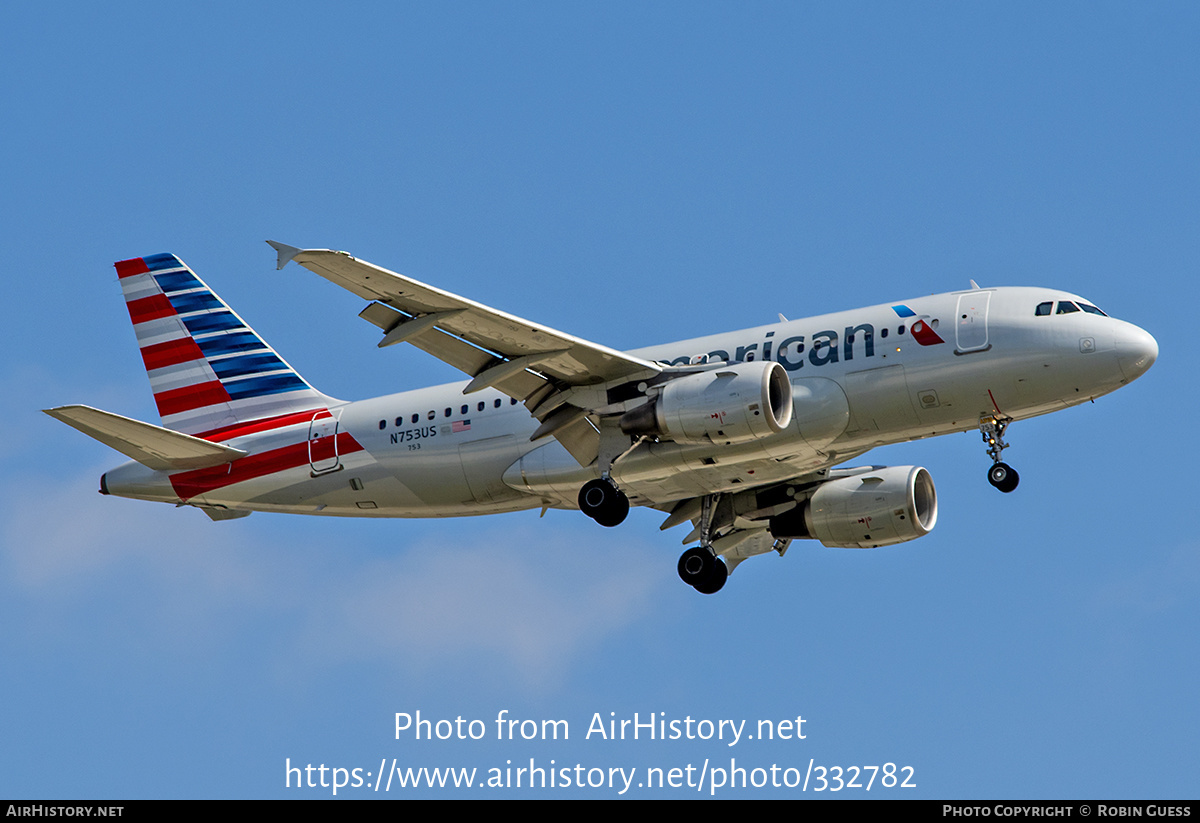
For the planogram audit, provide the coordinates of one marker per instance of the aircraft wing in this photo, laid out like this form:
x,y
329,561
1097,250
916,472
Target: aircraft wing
x,y
524,360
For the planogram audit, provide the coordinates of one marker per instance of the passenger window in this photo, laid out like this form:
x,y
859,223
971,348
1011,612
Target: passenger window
x,y
399,421
512,401
1066,307
900,330
883,332
432,414
497,403
382,425
480,407
448,411
416,417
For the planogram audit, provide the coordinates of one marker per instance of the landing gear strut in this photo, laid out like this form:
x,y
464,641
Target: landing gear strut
x,y
700,567
602,501
1001,475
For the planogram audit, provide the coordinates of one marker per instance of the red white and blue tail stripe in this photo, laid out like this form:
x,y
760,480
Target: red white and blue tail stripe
x,y
208,369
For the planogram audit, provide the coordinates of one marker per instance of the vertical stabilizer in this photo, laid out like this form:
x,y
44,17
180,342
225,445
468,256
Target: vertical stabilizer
x,y
208,369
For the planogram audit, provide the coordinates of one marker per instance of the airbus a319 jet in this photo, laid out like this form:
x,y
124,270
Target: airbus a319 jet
x,y
737,434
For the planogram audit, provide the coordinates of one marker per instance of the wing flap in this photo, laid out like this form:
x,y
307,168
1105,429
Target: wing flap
x,y
152,446
581,440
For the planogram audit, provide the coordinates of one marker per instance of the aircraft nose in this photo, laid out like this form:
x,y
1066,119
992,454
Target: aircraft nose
x,y
1136,351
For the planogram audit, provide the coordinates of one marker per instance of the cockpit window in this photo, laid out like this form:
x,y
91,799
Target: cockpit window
x,y
1066,307
1043,309
1091,309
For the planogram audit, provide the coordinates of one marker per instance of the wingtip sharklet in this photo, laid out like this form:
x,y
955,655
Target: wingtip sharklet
x,y
286,253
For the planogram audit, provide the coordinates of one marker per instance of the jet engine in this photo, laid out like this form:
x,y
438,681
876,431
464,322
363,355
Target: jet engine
x,y
880,507
729,404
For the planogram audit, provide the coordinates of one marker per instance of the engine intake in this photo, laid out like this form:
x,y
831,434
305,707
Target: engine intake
x,y
730,404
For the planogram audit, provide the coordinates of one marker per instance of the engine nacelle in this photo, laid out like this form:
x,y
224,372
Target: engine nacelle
x,y
730,404
876,508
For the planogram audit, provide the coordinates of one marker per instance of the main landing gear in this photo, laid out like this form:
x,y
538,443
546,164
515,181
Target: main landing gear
x,y
703,570
1001,475
700,567
602,501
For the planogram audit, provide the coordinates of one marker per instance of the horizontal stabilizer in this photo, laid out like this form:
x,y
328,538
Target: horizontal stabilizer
x,y
152,446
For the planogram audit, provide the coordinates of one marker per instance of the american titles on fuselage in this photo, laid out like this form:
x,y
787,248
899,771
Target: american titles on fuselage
x,y
789,351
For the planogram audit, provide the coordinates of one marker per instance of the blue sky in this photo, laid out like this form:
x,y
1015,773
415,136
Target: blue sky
x,y
633,174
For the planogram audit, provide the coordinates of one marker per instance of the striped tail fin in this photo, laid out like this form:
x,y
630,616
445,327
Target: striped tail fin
x,y
208,370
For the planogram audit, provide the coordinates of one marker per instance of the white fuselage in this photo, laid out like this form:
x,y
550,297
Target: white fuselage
x,y
860,379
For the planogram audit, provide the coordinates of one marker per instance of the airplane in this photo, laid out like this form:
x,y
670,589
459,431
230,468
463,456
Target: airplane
x,y
739,434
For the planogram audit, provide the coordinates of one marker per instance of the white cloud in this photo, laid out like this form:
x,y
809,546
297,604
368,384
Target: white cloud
x,y
534,606
528,601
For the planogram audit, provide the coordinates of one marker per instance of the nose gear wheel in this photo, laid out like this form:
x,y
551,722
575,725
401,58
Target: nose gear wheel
x,y
1004,477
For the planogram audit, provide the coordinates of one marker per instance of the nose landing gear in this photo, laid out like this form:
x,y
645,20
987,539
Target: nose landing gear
x,y
1001,475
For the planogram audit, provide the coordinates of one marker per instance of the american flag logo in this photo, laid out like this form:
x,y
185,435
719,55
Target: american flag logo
x,y
460,426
